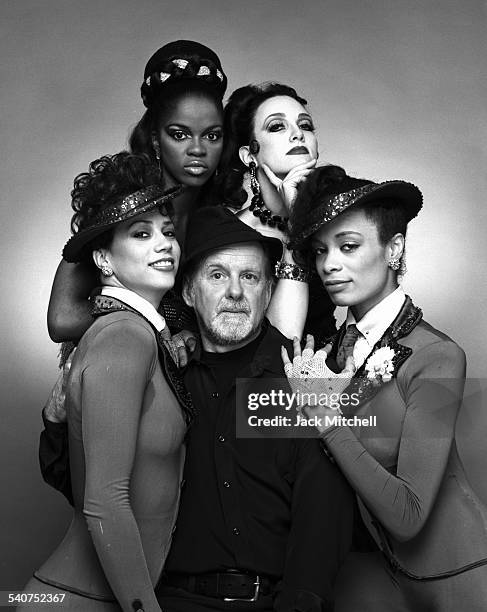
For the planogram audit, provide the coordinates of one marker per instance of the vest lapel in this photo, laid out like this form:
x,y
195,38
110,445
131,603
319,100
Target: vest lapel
x,y
365,388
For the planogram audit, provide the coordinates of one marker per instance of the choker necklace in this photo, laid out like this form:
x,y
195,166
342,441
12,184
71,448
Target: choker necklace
x,y
257,206
259,209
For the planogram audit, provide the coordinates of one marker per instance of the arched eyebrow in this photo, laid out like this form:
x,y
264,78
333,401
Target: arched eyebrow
x,y
283,116
347,233
135,221
149,222
217,126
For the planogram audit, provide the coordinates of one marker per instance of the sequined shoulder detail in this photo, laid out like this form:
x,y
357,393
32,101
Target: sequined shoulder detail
x,y
103,304
177,314
175,380
411,316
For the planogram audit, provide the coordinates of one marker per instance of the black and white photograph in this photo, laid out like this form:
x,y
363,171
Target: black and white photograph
x,y
244,306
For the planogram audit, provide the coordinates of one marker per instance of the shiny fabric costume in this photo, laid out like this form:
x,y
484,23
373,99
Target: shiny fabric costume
x,y
412,488
126,432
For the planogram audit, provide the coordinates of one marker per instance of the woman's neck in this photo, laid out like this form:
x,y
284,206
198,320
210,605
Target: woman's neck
x,y
184,205
360,310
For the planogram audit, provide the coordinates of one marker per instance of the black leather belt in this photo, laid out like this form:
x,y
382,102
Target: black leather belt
x,y
231,585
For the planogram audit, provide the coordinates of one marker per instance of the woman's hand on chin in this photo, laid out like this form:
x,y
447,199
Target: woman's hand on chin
x,y
317,387
287,187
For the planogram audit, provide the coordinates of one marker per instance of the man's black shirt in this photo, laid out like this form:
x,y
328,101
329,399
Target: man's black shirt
x,y
275,507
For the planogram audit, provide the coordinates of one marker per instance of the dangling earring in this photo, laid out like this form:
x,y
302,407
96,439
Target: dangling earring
x,y
254,183
257,206
106,270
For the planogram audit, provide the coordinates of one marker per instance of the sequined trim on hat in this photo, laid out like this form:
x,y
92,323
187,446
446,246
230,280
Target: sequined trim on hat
x,y
338,203
335,205
131,205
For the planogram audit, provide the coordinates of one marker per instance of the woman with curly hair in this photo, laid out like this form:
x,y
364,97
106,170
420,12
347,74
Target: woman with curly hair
x,y
182,132
400,383
182,129
126,406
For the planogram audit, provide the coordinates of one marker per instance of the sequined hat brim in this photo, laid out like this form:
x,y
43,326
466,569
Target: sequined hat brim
x,y
407,194
141,201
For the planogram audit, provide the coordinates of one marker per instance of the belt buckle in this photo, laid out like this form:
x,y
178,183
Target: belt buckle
x,y
253,598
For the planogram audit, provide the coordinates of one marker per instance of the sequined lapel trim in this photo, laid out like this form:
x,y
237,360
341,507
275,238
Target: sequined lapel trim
x,y
407,319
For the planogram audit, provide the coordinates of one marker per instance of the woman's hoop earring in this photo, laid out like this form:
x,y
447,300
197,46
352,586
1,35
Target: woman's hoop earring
x,y
106,270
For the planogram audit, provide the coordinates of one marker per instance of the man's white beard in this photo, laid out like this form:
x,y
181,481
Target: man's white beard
x,y
228,329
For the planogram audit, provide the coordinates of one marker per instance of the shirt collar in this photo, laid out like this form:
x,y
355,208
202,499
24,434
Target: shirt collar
x,y
138,303
375,322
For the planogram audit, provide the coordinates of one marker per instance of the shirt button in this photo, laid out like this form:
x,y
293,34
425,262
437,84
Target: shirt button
x,y
226,484
236,531
215,394
221,438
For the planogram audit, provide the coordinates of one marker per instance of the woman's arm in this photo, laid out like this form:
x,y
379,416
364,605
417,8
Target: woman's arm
x,y
289,303
118,367
403,502
68,315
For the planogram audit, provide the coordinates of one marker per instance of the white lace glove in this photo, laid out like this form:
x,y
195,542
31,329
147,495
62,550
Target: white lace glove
x,y
309,375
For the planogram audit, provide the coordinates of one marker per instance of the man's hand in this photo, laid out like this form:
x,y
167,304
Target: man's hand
x,y
180,346
55,409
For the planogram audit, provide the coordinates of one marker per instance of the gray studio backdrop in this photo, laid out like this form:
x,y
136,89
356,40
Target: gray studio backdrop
x,y
397,88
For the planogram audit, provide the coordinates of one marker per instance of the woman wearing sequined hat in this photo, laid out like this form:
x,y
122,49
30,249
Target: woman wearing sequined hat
x,y
404,382
127,407
182,132
181,128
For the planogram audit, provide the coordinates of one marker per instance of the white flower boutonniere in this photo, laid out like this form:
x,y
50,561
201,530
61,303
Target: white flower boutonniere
x,y
379,365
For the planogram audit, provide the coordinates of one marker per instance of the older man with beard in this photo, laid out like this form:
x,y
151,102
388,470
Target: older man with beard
x,y
264,523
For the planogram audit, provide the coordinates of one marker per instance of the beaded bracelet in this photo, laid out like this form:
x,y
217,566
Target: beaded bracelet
x,y
291,272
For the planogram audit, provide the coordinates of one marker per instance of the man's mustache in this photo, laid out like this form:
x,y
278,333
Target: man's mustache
x,y
233,307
